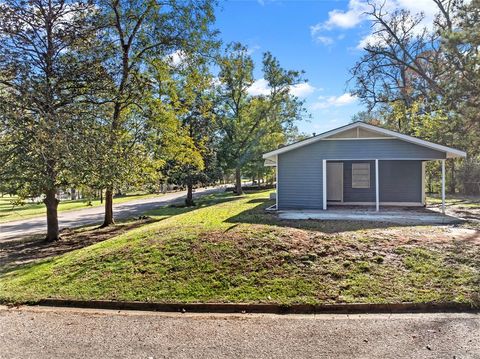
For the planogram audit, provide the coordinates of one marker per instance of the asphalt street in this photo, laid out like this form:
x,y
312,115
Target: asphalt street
x,y
39,332
93,215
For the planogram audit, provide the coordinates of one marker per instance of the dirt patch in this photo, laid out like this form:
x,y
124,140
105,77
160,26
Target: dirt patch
x,y
469,211
15,253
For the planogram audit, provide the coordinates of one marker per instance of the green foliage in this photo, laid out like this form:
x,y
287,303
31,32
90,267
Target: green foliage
x,y
469,176
186,101
425,81
43,78
250,122
134,38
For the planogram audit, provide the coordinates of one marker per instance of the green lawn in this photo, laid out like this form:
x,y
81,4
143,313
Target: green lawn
x,y
11,212
455,200
228,249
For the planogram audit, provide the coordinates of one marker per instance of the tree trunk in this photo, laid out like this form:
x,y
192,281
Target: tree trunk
x,y
108,208
73,194
238,181
189,200
453,183
51,202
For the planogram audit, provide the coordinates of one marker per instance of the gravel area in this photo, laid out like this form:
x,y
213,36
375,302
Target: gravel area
x,y
36,332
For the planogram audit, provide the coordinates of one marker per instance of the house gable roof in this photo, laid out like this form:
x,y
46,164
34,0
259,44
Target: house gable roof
x,y
366,129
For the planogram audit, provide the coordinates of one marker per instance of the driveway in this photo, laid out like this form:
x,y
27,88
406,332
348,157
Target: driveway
x,y
94,215
36,332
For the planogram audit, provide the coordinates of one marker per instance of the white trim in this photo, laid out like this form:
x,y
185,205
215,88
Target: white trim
x,y
405,204
324,183
450,152
272,208
377,190
357,138
423,183
276,182
381,159
443,186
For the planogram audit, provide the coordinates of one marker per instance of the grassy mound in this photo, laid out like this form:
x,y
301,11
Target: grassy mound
x,y
228,249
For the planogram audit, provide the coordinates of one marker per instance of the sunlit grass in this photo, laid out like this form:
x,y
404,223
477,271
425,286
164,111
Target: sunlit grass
x,y
228,249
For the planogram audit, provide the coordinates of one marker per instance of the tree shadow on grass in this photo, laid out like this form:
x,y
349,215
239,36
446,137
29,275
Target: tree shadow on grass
x,y
16,253
20,253
258,215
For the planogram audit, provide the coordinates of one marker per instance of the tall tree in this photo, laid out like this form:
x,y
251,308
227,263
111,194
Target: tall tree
x,y
414,76
184,104
44,75
194,106
246,119
135,33
462,47
438,65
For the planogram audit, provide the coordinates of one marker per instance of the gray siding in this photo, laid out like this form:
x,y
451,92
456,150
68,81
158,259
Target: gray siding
x,y
400,181
299,182
357,194
300,170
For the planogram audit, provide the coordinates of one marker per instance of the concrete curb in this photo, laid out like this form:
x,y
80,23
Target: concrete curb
x,y
266,308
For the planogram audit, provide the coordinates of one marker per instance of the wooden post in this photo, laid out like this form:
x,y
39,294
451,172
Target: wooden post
x,y
443,186
377,190
324,184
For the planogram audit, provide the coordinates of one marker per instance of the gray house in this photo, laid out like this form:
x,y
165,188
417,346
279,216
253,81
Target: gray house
x,y
357,164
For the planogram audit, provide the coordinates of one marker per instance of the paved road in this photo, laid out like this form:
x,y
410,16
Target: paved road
x,y
31,332
93,215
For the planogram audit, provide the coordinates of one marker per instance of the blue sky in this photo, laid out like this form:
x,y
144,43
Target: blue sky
x,y
321,37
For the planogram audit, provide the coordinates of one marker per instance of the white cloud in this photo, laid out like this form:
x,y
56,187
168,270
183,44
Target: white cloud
x,y
265,2
371,39
176,58
334,101
215,81
324,40
347,19
252,49
426,6
302,90
344,19
355,14
260,87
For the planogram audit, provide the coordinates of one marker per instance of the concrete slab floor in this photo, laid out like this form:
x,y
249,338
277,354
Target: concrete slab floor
x,y
399,217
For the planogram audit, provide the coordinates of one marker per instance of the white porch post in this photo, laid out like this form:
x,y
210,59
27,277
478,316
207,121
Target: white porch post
x,y
443,186
423,183
377,190
276,182
324,183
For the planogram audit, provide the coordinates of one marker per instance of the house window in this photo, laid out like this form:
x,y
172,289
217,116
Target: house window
x,y
360,175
